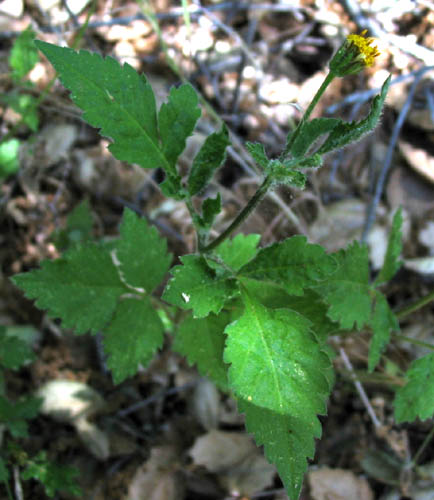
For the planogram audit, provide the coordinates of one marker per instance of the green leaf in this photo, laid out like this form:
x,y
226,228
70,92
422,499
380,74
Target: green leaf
x,y
177,119
9,157
276,362
346,133
115,99
238,251
4,472
81,288
210,157
202,341
288,441
54,477
196,286
14,352
211,207
14,415
257,152
282,174
310,132
24,55
142,253
382,322
293,263
78,228
132,338
347,291
416,398
394,248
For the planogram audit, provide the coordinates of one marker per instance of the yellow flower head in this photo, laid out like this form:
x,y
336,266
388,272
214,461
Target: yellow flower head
x,y
366,52
355,54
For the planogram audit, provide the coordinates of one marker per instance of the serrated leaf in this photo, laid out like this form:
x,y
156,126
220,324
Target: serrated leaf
x,y
293,263
177,119
346,133
288,442
14,415
196,286
210,157
142,253
238,251
310,132
132,338
81,288
257,152
115,99
394,248
24,55
14,352
54,477
347,291
282,174
276,362
382,322
202,341
416,398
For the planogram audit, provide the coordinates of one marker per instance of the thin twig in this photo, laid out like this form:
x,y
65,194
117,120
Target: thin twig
x,y
359,388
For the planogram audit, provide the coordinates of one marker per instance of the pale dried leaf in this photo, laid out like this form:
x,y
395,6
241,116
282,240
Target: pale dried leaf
x,y
206,404
338,484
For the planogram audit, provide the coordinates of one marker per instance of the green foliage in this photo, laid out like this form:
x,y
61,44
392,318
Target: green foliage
x,y
347,133
9,157
24,54
416,398
202,341
196,286
54,477
14,352
293,263
210,157
391,263
26,106
14,415
276,361
260,318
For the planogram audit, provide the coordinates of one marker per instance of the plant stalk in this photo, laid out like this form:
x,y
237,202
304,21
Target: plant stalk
x,y
415,306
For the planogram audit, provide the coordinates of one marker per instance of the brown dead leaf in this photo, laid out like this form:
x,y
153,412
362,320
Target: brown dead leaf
x,y
338,484
419,159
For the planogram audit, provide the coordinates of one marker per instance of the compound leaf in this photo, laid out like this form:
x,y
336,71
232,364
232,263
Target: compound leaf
x,y
141,252
394,248
202,341
416,398
115,99
132,338
196,286
347,291
81,288
293,263
276,362
210,157
288,441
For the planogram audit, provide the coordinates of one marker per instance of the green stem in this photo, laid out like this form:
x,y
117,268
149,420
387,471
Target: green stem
x,y
242,216
415,306
307,114
422,447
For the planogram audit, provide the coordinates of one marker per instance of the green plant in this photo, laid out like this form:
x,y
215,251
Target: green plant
x,y
254,320
15,352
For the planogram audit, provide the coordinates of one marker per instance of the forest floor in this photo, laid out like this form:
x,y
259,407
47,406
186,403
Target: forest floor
x,y
170,433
